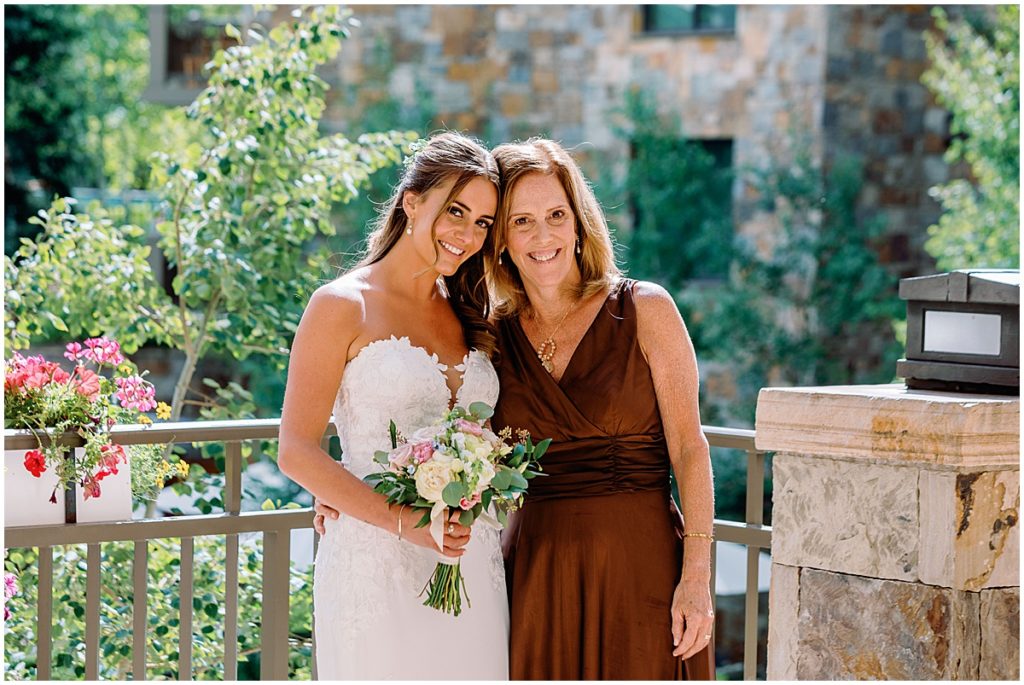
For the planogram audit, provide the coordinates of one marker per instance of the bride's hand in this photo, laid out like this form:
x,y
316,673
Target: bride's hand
x,y
456,535
322,512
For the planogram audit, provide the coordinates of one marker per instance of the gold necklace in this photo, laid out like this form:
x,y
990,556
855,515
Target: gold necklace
x,y
546,351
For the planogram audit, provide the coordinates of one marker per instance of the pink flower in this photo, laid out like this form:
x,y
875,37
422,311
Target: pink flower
x,y
469,503
87,383
35,463
91,486
110,457
103,351
36,372
401,456
469,427
74,351
135,393
423,451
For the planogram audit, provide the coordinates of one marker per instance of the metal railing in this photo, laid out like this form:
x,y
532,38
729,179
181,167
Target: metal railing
x,y
276,527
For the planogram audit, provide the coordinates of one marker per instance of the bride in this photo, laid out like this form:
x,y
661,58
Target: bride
x,y
402,337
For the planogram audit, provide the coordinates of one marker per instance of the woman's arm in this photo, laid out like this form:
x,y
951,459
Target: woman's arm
x,y
318,358
669,352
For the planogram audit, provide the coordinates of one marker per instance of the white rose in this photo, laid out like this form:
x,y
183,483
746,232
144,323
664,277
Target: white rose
x,y
427,433
431,479
484,474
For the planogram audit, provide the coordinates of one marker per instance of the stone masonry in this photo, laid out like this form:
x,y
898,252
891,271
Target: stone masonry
x,y
845,78
895,536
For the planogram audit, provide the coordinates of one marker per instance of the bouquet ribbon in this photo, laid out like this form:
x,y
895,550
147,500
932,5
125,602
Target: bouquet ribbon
x,y
437,522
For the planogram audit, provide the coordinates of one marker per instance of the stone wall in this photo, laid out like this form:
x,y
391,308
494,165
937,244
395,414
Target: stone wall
x,y
895,536
844,78
877,108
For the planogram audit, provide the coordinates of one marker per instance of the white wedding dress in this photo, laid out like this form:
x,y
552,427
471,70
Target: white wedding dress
x,y
370,621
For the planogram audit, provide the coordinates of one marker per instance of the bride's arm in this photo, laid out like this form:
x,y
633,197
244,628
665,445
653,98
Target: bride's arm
x,y
318,357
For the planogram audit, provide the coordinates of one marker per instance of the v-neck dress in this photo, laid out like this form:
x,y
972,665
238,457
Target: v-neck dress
x,y
593,557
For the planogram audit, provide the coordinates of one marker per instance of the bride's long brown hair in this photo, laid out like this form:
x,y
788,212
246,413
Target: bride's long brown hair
x,y
444,156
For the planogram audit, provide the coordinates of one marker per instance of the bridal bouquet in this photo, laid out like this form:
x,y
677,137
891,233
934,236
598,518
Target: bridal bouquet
x,y
457,464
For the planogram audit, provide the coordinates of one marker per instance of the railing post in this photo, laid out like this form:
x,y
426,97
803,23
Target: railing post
x,y
140,590
232,505
274,644
755,516
92,613
44,622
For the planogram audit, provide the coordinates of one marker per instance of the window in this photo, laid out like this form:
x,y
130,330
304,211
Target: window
x,y
689,19
183,38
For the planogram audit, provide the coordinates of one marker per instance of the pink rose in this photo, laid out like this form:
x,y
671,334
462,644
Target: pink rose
x,y
400,457
469,427
469,503
423,451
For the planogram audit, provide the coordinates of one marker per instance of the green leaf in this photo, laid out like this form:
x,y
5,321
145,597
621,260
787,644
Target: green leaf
x,y
485,498
501,516
393,432
453,493
502,479
517,479
481,410
381,457
268,505
541,448
467,517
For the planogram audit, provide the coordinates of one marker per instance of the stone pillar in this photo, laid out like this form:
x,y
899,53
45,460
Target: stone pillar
x,y
895,542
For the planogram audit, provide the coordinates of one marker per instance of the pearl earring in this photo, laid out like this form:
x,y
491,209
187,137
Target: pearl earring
x,y
499,258
408,225
578,251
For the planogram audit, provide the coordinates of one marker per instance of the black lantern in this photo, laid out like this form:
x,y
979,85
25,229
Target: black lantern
x,y
963,331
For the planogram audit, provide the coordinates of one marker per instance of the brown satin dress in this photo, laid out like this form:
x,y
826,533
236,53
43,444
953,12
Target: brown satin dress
x,y
594,556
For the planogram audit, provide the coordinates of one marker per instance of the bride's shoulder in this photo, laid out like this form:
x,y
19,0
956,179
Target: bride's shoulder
x,y
339,304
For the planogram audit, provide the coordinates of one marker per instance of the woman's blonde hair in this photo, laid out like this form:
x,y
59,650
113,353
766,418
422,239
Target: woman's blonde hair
x,y
596,259
444,156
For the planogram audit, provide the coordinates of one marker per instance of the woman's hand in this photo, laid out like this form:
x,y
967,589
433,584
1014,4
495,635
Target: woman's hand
x,y
456,535
323,512
692,617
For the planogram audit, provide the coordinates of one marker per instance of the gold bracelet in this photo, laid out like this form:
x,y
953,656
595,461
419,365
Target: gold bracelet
x,y
400,520
698,535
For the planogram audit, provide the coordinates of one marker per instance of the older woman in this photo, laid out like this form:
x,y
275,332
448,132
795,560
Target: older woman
x,y
600,584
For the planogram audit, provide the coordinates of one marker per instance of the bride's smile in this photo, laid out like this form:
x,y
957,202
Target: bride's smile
x,y
459,230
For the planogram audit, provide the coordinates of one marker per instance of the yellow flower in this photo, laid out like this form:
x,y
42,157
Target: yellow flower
x,y
163,411
164,468
183,469
145,420
159,482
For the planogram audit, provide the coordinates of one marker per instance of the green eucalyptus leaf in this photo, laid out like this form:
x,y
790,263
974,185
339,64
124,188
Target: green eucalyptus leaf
x,y
481,410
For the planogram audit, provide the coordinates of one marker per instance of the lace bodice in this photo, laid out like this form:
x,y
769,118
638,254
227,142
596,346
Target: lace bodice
x,y
392,379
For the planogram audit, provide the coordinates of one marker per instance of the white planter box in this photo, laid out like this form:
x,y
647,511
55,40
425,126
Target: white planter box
x,y
27,498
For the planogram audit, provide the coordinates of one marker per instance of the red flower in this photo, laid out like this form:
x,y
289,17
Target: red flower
x,y
110,457
90,487
35,463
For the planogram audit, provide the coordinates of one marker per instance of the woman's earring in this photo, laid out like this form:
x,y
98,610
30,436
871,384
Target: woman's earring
x,y
578,250
408,226
499,258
